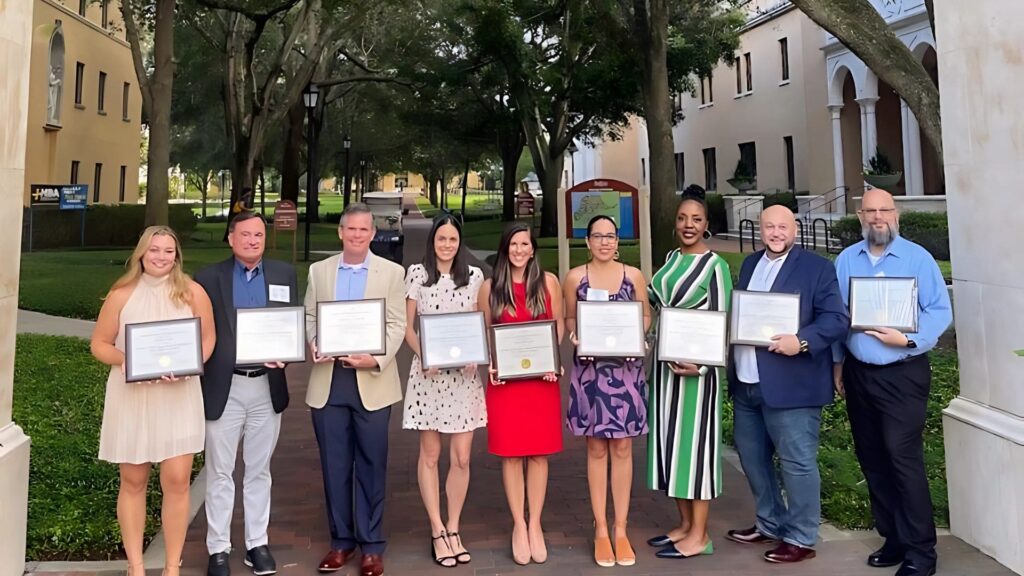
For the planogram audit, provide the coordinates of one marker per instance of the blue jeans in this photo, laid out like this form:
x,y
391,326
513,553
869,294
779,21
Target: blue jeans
x,y
760,433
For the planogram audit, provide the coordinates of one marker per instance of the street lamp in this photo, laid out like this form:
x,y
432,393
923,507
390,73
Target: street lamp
x,y
572,155
362,177
347,144
309,98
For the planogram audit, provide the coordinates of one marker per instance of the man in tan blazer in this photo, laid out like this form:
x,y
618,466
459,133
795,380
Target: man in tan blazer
x,y
351,396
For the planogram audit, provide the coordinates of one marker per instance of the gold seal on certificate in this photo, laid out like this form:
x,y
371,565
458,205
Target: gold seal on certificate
x,y
610,329
453,340
275,334
346,327
525,349
884,302
168,347
757,316
693,336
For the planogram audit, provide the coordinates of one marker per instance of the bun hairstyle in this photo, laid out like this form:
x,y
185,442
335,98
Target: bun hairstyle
x,y
694,193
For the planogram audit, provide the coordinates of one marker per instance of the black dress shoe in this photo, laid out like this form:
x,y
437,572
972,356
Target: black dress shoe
x,y
260,560
886,556
910,568
219,565
671,552
660,541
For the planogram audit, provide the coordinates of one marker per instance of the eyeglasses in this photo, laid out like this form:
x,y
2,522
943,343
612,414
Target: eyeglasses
x,y
604,237
874,211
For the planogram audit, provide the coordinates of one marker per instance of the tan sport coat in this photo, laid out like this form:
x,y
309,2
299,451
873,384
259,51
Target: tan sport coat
x,y
385,279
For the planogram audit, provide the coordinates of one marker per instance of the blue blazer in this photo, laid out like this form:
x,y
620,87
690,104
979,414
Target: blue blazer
x,y
804,380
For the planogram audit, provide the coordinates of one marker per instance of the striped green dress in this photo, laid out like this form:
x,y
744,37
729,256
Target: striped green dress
x,y
685,413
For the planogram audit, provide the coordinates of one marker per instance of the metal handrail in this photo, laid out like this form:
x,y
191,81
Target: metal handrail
x,y
753,246
826,199
800,231
814,234
741,210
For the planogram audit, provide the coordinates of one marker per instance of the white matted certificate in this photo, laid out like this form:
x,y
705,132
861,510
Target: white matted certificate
x,y
525,349
883,302
610,329
453,340
346,327
164,348
274,334
757,316
693,336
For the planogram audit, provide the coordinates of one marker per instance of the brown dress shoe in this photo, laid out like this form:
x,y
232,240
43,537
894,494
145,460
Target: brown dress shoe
x,y
749,536
335,559
373,565
787,553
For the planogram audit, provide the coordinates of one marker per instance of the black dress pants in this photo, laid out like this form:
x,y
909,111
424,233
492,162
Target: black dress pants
x,y
887,407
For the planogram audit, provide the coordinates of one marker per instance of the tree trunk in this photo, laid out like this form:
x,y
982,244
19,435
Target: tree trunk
x,y
651,29
510,143
862,29
549,185
263,191
290,170
433,191
158,158
465,188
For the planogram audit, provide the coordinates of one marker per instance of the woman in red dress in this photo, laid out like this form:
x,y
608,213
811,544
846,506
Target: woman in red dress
x,y
524,416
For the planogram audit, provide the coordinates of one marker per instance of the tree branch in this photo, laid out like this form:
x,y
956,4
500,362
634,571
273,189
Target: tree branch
x,y
132,31
243,8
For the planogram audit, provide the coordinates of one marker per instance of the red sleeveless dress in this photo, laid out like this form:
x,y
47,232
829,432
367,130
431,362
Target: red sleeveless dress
x,y
524,417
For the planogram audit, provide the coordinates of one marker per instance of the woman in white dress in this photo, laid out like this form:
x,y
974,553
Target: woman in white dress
x,y
447,401
157,421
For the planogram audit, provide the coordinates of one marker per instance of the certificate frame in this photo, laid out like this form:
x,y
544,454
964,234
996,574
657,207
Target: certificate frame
x,y
681,315
374,348
587,349
860,281
297,351
526,373
430,324
741,298
132,373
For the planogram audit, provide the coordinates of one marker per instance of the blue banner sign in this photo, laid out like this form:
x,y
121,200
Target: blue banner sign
x,y
65,196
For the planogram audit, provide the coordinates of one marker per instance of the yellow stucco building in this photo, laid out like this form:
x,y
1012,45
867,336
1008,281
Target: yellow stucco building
x,y
85,106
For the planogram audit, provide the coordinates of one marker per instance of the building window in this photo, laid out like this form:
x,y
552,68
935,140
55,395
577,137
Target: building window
x,y
739,75
710,171
748,159
82,5
124,100
104,4
96,182
784,53
643,171
101,93
790,165
750,72
120,190
79,80
74,171
680,172
707,93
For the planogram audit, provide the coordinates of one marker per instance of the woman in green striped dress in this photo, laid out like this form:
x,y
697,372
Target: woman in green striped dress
x,y
685,405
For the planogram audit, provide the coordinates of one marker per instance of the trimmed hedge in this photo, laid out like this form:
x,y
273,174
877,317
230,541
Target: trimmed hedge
x,y
787,199
929,229
105,225
716,213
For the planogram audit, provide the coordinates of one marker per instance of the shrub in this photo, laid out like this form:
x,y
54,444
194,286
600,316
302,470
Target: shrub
x,y
787,199
105,225
929,229
717,222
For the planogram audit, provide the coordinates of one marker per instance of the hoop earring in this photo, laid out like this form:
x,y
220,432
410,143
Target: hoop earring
x,y
616,256
707,235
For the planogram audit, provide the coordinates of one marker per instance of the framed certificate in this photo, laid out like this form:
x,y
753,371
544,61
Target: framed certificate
x,y
453,340
347,327
757,316
883,302
276,334
155,349
693,336
610,329
525,349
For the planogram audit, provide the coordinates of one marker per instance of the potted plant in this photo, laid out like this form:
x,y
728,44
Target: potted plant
x,y
879,172
742,178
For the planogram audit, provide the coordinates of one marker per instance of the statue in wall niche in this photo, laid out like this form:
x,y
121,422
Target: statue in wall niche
x,y
53,100
55,75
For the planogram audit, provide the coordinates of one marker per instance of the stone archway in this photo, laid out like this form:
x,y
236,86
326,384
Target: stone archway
x,y
890,133
934,181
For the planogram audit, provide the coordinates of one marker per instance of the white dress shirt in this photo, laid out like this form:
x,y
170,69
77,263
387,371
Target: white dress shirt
x,y
761,280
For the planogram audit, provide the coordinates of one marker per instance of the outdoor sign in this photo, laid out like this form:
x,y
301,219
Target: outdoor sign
x,y
286,216
613,198
45,195
74,197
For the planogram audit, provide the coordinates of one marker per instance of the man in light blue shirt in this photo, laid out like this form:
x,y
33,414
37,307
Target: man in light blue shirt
x,y
886,378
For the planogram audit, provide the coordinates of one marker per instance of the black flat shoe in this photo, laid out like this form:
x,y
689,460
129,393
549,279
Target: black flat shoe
x,y
671,552
660,541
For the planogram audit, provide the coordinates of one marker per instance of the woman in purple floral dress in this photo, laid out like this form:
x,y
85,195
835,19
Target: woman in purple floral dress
x,y
607,396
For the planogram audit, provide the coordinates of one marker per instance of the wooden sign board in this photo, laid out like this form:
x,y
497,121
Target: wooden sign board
x,y
286,216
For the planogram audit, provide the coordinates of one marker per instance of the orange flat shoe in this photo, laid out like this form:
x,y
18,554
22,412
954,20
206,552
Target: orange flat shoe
x,y
624,555
603,554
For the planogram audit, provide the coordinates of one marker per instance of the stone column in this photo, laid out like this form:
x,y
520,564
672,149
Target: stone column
x,y
981,76
837,154
913,171
15,46
869,127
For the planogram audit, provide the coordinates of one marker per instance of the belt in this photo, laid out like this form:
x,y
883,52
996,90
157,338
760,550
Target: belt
x,y
907,360
254,373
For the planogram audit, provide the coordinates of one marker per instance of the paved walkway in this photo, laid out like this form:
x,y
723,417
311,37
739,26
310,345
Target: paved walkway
x,y
299,536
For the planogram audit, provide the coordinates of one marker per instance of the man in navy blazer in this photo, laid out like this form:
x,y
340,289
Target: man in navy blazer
x,y
778,391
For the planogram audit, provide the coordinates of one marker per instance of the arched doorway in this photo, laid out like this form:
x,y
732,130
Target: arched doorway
x,y
850,121
890,134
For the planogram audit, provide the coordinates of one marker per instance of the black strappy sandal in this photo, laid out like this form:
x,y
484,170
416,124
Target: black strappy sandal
x,y
464,557
440,560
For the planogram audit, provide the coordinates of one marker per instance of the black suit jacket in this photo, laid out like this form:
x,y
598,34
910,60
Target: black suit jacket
x,y
217,280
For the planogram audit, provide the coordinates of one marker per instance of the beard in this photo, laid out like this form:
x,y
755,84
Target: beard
x,y
880,237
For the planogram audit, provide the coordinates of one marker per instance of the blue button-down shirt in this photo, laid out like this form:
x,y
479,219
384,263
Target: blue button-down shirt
x,y
350,283
901,258
250,287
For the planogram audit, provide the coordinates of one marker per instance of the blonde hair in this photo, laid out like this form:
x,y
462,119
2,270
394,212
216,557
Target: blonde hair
x,y
180,291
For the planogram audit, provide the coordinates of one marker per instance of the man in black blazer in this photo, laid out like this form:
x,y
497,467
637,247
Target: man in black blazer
x,y
242,402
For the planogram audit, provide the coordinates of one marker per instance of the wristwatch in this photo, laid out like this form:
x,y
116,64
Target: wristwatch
x,y
804,346
911,343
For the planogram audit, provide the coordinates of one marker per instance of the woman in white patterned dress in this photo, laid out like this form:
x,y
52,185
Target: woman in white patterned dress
x,y
447,401
156,421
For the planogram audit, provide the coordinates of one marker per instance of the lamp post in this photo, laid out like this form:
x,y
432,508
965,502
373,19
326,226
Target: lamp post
x,y
309,98
347,144
572,156
362,177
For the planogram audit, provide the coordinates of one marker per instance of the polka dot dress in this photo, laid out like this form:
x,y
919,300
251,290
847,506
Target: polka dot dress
x,y
449,402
